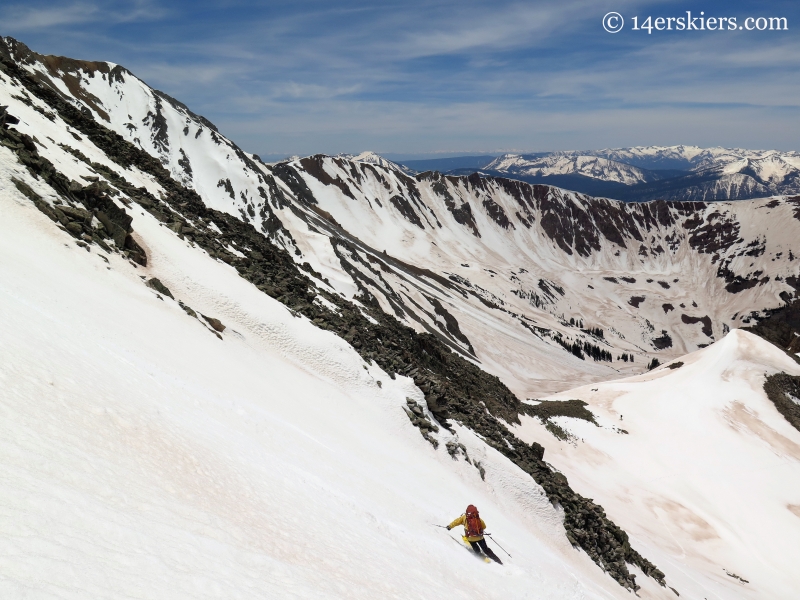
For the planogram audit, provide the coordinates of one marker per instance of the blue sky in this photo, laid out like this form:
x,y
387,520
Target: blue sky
x,y
413,79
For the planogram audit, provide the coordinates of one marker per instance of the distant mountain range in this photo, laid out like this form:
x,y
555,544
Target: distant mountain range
x,y
645,172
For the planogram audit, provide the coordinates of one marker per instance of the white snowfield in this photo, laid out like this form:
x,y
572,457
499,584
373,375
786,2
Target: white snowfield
x,y
142,457
707,478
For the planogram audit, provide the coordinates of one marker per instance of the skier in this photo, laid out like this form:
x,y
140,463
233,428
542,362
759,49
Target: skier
x,y
473,532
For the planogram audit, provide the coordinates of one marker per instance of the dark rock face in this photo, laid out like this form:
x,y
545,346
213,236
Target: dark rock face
x,y
227,186
404,207
635,301
159,287
450,323
187,309
663,341
559,228
718,233
736,283
784,392
462,214
313,165
795,201
216,324
581,228
706,321
781,328
454,388
496,212
6,118
416,415
158,124
546,409
289,175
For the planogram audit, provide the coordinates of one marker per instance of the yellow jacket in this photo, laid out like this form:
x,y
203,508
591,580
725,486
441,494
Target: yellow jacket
x,y
462,520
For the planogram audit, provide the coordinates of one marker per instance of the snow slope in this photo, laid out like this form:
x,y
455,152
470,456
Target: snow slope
x,y
140,456
707,472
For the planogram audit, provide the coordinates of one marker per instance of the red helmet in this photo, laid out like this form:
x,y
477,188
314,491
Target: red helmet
x,y
471,509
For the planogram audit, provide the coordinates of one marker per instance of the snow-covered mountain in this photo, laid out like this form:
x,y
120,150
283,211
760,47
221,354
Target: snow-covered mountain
x,y
229,318
688,157
376,159
493,267
659,157
551,266
572,164
660,172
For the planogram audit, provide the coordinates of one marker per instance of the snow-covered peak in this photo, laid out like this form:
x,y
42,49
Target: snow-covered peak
x,y
563,163
376,159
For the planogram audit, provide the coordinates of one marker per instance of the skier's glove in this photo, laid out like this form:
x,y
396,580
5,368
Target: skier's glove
x,y
448,528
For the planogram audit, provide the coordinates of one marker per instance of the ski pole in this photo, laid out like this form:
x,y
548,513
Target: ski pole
x,y
498,545
450,536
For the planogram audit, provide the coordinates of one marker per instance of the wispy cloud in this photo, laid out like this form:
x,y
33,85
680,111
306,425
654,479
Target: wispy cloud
x,y
27,17
489,29
424,76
